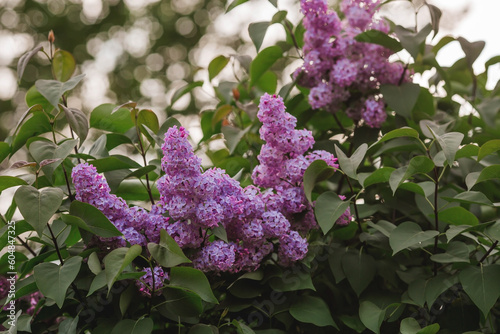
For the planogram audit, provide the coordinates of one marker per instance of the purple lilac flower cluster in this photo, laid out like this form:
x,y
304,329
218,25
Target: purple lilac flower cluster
x,y
199,201
136,224
342,72
256,222
146,283
28,303
283,161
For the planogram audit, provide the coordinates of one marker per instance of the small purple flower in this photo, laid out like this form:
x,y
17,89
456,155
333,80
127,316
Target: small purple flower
x,y
147,282
346,217
292,248
374,112
275,224
217,256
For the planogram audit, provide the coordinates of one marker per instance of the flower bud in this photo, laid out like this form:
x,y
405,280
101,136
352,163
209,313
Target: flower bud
x,y
236,94
51,36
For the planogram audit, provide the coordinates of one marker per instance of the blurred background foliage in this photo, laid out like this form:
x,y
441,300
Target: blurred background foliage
x,y
142,50
139,50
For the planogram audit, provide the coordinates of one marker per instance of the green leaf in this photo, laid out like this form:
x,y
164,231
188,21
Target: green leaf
x,y
401,98
33,98
114,162
241,327
193,280
115,139
203,329
471,50
184,90
383,226
470,197
290,281
94,263
411,41
147,119
78,122
431,329
359,268
53,90
493,230
4,151
24,60
10,181
409,326
312,310
481,285
221,113
467,151
268,82
378,37
458,216
98,282
279,17
54,280
456,252
257,32
488,109
408,234
45,150
351,164
34,126
425,104
235,4
38,205
488,173
102,118
450,143
220,232
233,135
402,132
216,65
317,171
140,172
263,61
91,219
442,43
435,17
31,109
167,252
68,325
488,148
129,326
181,302
329,207
116,261
63,65
378,176
126,298
418,165
371,315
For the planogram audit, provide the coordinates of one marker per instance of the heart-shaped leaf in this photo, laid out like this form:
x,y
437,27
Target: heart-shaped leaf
x,y
53,90
38,205
54,280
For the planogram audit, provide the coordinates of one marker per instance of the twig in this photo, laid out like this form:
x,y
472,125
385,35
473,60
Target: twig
x,y
25,244
489,251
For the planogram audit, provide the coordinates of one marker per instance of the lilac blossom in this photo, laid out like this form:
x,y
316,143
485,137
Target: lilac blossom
x,y
256,220
335,64
135,223
147,282
216,256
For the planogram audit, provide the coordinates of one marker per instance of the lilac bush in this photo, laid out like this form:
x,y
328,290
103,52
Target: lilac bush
x,y
193,202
